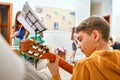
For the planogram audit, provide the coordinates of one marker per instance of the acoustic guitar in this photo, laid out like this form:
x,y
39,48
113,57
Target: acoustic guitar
x,y
42,52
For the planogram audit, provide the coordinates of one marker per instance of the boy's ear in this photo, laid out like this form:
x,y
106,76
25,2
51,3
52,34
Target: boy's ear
x,y
96,35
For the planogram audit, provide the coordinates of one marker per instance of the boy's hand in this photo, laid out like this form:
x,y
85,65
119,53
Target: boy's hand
x,y
54,67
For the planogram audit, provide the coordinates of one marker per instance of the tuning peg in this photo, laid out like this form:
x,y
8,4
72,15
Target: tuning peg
x,y
40,56
44,51
47,50
42,47
39,49
36,54
30,52
34,46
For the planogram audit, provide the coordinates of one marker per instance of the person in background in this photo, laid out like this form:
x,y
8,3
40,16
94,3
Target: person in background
x,y
74,44
18,32
101,63
114,44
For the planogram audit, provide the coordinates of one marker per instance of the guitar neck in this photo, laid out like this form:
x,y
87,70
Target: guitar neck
x,y
62,63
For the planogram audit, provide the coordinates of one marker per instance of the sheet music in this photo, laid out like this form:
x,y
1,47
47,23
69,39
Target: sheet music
x,y
30,21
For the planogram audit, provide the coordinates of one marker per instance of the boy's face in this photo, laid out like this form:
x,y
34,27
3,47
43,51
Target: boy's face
x,y
86,43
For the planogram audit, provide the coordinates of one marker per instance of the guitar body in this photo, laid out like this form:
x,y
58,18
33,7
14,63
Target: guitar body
x,y
42,52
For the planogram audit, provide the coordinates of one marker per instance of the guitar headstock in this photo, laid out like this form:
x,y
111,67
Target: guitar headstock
x,y
42,52
32,48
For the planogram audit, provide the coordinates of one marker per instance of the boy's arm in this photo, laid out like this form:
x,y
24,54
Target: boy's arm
x,y
54,69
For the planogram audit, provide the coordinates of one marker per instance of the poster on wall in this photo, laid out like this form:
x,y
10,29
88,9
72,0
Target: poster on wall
x,y
56,19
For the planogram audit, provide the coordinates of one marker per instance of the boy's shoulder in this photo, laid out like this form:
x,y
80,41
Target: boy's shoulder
x,y
84,61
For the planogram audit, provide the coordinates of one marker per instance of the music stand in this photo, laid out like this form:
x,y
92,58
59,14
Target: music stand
x,y
30,21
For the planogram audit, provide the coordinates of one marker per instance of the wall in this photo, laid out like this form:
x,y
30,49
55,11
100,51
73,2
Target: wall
x,y
108,7
115,19
81,8
101,7
112,8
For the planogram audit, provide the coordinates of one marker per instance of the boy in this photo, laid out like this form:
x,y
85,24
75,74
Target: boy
x,y
100,63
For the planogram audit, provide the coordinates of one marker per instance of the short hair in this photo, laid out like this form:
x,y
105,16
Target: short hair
x,y
95,23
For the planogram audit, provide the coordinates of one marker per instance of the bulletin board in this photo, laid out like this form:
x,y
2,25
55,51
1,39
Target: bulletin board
x,y
56,19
